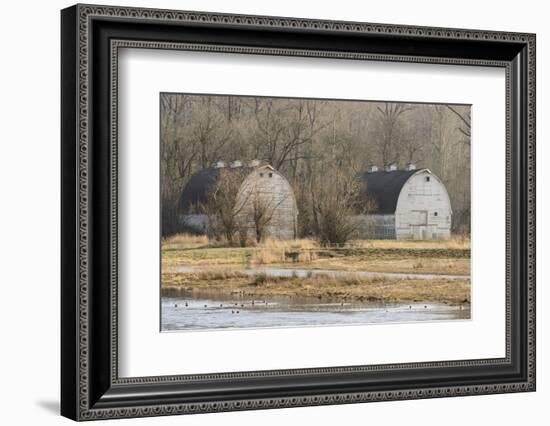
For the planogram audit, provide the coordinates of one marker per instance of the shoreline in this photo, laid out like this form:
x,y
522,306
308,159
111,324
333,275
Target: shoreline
x,y
433,261
349,287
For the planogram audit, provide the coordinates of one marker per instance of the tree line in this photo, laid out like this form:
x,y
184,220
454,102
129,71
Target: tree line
x,y
318,145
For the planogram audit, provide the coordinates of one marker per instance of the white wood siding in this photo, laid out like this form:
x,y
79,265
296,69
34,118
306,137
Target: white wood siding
x,y
423,209
277,194
273,190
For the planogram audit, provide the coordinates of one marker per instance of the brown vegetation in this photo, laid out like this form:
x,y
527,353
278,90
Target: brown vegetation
x,y
225,268
308,141
450,257
223,206
349,287
336,198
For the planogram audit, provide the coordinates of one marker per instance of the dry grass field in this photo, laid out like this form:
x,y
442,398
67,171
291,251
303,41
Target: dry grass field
x,y
346,288
221,268
450,257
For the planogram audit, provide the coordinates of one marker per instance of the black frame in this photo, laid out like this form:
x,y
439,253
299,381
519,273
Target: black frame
x,y
91,37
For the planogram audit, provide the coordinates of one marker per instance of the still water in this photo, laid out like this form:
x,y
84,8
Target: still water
x,y
281,272
219,311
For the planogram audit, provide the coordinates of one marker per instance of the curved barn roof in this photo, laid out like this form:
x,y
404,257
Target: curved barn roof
x,y
196,190
385,186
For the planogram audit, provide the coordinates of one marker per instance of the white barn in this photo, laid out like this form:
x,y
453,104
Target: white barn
x,y
260,183
407,204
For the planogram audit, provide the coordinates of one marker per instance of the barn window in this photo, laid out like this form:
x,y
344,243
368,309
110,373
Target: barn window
x,y
427,178
435,213
270,174
261,175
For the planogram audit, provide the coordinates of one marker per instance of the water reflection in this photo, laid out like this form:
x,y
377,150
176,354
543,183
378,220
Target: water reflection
x,y
284,272
207,310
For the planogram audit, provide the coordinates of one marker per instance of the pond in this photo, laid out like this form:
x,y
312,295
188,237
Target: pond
x,y
282,272
209,310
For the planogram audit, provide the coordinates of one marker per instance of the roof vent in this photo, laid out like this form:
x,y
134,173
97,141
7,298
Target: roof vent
x,y
372,168
391,167
235,164
218,164
410,166
254,163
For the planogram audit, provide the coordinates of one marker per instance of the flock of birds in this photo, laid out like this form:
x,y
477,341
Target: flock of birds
x,y
262,302
233,311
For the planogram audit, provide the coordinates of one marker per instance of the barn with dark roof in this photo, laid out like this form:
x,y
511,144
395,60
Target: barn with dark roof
x,y
260,186
405,204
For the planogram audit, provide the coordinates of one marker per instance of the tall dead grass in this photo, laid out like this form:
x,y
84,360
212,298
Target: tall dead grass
x,y
262,256
318,280
303,243
348,287
277,251
215,275
186,239
455,242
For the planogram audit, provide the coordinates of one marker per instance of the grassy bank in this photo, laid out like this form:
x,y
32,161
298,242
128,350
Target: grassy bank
x,y
450,257
343,288
221,269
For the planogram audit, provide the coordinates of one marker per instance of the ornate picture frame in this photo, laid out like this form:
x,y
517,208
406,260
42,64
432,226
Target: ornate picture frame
x,y
91,37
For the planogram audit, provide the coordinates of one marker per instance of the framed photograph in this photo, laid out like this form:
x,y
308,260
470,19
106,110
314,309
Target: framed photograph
x,y
263,212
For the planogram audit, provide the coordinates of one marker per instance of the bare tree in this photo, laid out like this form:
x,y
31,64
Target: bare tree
x,y
465,120
306,139
416,134
441,142
390,114
336,199
282,128
211,132
263,208
224,205
177,157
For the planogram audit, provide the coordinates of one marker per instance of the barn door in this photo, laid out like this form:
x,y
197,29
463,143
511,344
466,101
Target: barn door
x,y
419,223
